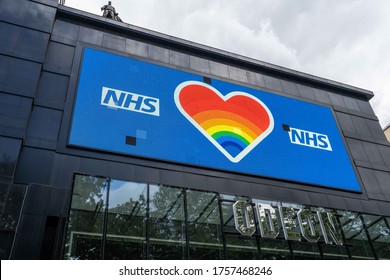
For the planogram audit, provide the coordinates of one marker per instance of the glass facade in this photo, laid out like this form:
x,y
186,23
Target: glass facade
x,y
113,219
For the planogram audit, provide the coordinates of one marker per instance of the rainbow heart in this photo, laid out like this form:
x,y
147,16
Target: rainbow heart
x,y
235,123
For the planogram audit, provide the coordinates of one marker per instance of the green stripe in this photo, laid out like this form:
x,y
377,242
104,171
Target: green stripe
x,y
232,134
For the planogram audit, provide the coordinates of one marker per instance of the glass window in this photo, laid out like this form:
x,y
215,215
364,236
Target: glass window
x,y
166,223
238,247
9,152
379,234
86,218
126,225
274,249
204,221
334,252
355,235
305,251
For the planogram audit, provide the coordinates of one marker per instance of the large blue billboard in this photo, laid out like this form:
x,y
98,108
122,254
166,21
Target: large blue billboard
x,y
137,108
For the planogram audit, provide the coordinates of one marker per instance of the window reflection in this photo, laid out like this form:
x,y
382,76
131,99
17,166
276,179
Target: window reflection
x,y
380,235
113,219
355,235
85,227
166,223
204,220
126,230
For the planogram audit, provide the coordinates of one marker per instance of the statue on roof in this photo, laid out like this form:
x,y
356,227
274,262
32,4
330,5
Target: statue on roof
x,y
109,12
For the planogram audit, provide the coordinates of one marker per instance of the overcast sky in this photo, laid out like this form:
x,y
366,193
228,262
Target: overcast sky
x,y
345,40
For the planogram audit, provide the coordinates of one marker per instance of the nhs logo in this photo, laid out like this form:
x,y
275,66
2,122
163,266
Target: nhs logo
x,y
308,138
119,99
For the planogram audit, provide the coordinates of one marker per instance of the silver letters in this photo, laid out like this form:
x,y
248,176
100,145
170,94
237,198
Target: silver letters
x,y
295,223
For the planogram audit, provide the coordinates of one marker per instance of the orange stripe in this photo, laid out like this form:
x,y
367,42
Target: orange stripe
x,y
213,114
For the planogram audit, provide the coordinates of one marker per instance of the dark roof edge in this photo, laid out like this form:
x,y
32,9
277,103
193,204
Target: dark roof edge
x,y
205,51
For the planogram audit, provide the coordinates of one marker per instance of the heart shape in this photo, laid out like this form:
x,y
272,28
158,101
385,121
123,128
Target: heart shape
x,y
235,123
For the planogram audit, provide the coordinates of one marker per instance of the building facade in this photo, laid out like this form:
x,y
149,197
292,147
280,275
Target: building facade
x,y
119,142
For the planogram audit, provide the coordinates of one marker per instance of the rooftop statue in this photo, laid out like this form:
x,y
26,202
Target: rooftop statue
x,y
109,12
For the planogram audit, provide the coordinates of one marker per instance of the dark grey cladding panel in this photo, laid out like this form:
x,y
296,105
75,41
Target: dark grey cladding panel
x,y
219,69
158,53
22,42
37,199
361,127
346,122
14,11
9,154
43,128
376,130
58,202
384,208
195,181
136,48
336,202
11,200
145,174
34,166
91,36
273,83
237,74
373,154
318,199
357,150
337,100
322,96
384,181
351,103
365,107
179,59
114,42
52,90
53,3
59,58
172,178
65,166
199,64
220,185
29,237
306,92
290,88
27,13
370,182
301,197
371,207
385,153
353,204
19,76
45,200
94,167
14,115
255,79
40,17
65,32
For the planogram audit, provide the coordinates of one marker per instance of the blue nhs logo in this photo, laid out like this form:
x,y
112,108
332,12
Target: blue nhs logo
x,y
119,99
309,139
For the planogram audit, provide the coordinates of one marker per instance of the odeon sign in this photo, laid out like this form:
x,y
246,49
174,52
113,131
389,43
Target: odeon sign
x,y
295,223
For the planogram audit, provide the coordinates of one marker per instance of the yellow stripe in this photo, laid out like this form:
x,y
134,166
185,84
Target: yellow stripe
x,y
218,128
221,121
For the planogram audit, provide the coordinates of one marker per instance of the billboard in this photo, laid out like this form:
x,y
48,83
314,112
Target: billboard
x,y
137,108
